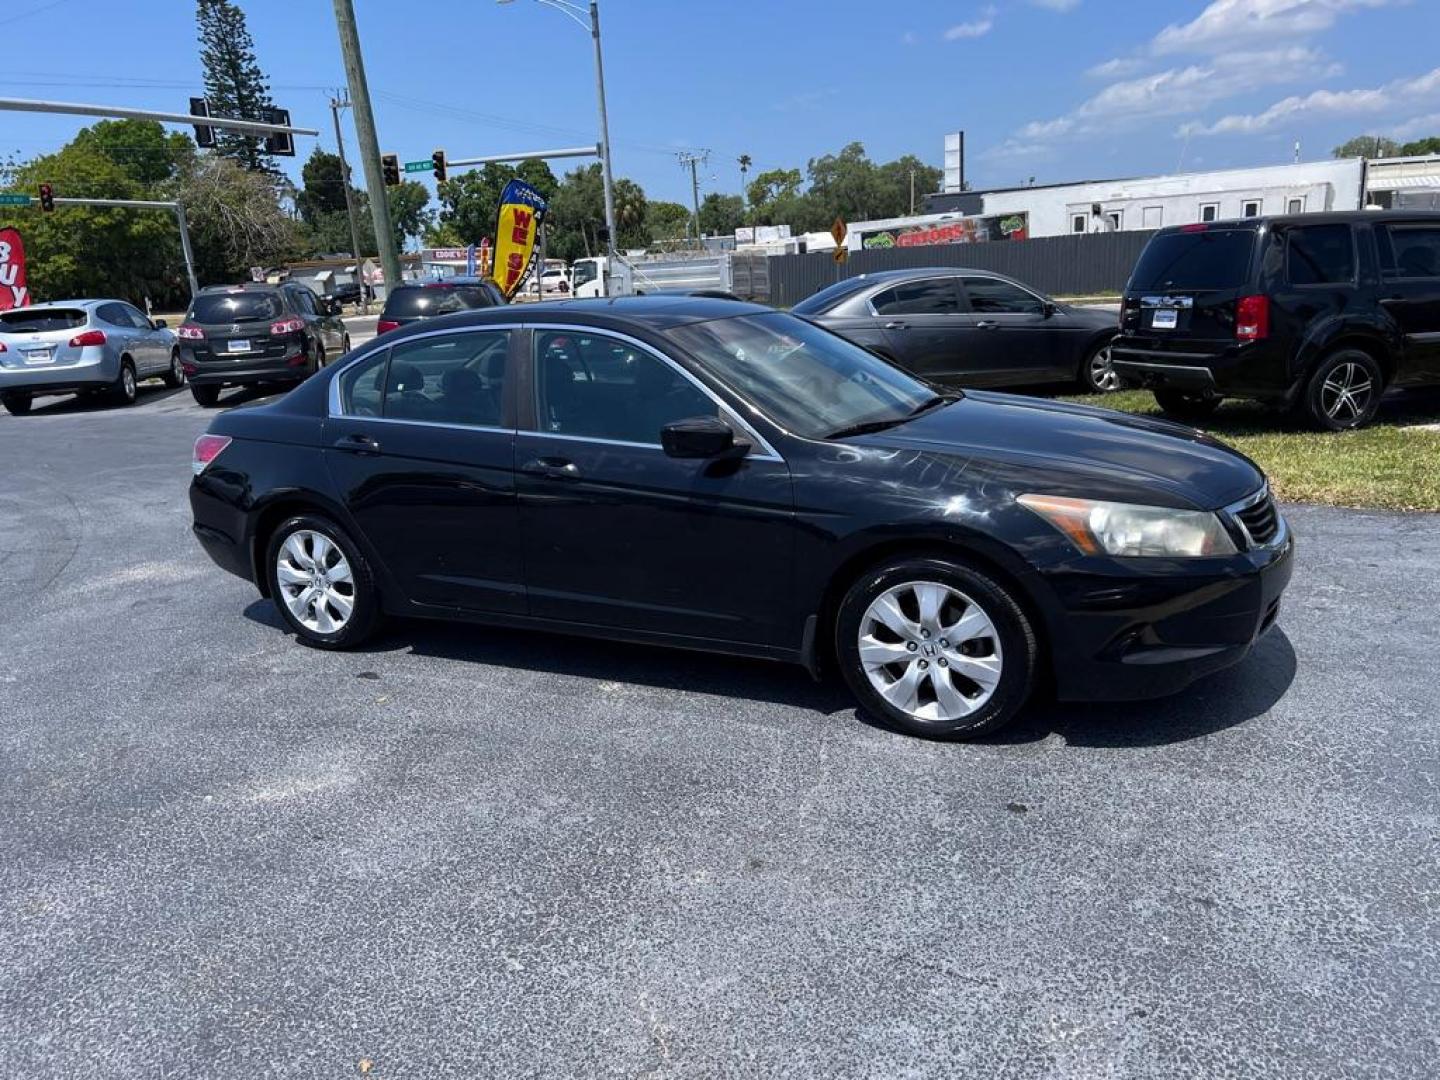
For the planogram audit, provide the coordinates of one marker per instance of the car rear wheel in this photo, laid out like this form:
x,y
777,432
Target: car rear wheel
x,y
935,648
319,356
345,344
1344,392
1098,374
175,376
205,396
1184,405
125,389
16,404
321,583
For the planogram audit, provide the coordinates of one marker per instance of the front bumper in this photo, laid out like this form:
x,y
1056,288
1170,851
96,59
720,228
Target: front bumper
x,y
93,371
1128,629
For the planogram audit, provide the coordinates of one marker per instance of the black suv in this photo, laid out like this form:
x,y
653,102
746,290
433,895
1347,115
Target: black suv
x,y
1318,313
424,300
237,335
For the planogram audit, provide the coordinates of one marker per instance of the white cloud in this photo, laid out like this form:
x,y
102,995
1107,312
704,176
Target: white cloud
x,y
978,27
1422,126
1117,68
1399,94
1057,5
1225,23
1016,150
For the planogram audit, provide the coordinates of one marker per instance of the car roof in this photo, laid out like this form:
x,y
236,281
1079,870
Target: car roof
x,y
85,303
438,283
1318,217
246,286
621,313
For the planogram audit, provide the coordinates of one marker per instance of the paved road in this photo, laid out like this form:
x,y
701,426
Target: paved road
x,y
466,853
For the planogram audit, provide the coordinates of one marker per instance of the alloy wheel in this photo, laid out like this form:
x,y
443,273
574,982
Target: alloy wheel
x,y
930,651
177,370
315,581
1103,376
1345,394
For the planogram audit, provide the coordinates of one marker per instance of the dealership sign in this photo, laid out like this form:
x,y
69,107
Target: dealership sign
x,y
968,230
522,208
13,290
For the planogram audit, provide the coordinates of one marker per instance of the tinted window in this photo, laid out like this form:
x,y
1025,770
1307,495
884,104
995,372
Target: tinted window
x,y
361,385
450,379
806,379
304,301
1321,255
934,296
40,321
1414,251
421,301
114,314
1206,259
235,306
827,297
992,296
604,388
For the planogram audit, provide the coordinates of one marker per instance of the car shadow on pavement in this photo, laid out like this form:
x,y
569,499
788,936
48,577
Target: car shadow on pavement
x,y
147,393
1224,700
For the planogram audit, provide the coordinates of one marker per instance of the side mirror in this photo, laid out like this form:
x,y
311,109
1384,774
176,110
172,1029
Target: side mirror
x,y
1050,308
160,324
698,437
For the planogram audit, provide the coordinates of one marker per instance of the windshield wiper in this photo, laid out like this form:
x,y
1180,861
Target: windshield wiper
x,y
866,427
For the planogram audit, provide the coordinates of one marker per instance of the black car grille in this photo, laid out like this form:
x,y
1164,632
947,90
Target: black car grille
x,y
1260,520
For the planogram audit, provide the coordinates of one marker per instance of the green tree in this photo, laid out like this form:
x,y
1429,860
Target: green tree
x,y
235,87
324,191
470,201
408,214
667,222
143,149
893,183
1368,146
770,188
721,215
1421,146
235,220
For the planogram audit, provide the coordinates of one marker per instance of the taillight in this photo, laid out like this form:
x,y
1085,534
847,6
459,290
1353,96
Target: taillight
x,y
190,332
2,346
89,337
287,326
1252,318
207,449
385,326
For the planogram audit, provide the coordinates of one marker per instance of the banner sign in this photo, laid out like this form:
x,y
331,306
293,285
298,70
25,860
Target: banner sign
x,y
522,208
13,290
970,230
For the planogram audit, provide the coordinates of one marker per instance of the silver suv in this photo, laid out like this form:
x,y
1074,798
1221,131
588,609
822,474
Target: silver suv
x,y
82,346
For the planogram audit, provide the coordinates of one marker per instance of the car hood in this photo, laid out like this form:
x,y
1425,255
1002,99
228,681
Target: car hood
x,y
1084,451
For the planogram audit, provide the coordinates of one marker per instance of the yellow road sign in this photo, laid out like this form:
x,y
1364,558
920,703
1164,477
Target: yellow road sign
x,y
839,231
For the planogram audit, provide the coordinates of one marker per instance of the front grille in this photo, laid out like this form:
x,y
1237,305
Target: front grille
x,y
1260,520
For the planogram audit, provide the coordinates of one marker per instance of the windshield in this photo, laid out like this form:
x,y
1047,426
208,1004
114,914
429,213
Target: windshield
x,y
585,271
808,380
423,300
1207,259
235,307
40,320
829,296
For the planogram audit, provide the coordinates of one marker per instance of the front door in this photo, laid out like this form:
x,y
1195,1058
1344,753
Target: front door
x,y
1410,292
1017,340
615,532
423,454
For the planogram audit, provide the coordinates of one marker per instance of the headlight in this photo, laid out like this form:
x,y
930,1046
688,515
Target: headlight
x,y
1123,529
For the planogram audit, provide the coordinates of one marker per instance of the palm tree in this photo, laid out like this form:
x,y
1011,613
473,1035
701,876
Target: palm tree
x,y
744,168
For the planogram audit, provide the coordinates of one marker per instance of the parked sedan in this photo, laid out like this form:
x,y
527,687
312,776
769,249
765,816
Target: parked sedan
x,y
717,475
240,335
959,327
80,347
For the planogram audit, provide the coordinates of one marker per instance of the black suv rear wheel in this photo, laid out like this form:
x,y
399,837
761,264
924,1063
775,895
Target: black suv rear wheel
x,y
1344,391
1184,405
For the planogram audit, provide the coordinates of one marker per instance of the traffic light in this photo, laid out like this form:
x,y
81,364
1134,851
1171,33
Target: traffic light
x,y
280,143
47,198
390,168
437,159
204,133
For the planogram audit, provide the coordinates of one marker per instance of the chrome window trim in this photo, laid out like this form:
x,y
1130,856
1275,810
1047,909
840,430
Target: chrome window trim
x,y
885,286
335,411
768,452
960,282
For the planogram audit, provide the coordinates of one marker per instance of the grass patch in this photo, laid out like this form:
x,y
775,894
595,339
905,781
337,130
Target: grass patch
x,y
1393,464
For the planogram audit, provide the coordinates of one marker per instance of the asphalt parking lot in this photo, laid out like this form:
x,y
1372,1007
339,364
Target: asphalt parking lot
x,y
465,852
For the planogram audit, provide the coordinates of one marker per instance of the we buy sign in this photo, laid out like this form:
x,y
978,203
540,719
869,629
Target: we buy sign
x,y
13,290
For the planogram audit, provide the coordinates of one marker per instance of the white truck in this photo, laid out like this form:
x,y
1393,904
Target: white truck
x,y
589,277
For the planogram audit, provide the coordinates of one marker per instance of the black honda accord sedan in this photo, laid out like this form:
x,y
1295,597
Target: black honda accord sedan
x,y
717,475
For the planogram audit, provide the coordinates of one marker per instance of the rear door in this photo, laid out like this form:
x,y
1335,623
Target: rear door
x,y
420,443
925,328
1016,339
1410,292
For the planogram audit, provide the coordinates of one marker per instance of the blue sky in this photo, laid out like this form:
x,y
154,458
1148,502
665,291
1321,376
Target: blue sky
x,y
1055,89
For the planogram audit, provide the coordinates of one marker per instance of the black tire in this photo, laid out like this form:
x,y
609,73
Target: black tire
x,y
125,389
1343,392
345,344
205,396
364,616
1018,649
1096,374
16,404
319,357
175,376
1184,405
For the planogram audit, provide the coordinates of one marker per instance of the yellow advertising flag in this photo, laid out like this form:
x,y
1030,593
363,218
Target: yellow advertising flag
x,y
522,208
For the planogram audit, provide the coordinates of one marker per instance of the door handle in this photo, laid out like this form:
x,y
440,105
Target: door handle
x,y
894,325
358,444
552,468
986,324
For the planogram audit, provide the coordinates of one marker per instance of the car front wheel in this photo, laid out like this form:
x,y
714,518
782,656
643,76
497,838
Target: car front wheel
x,y
321,583
936,648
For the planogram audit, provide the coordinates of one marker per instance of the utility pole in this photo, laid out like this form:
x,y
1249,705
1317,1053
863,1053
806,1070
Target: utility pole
x,y
369,144
694,160
606,174
912,191
335,106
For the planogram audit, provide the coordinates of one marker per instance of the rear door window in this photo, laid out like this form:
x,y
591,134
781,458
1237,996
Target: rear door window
x,y
448,378
1195,259
1321,255
933,296
42,321
231,307
1411,251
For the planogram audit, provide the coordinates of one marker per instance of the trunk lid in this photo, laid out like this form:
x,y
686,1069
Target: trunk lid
x,y
37,337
